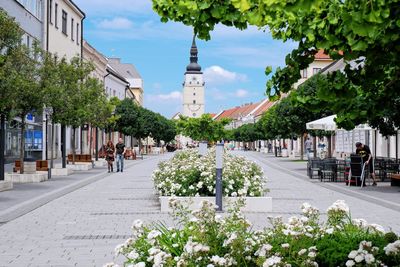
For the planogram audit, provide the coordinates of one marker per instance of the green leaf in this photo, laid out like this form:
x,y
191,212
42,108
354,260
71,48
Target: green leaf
x,y
268,70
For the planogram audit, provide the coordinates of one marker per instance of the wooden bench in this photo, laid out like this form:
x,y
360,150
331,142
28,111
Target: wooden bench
x,y
130,154
80,158
41,165
395,179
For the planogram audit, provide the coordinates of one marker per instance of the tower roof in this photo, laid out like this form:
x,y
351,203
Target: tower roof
x,y
193,67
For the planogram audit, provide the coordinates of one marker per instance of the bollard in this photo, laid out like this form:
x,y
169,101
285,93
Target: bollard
x,y
203,148
219,158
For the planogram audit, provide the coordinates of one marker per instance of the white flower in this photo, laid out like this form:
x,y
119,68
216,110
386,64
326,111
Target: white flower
x,y
153,234
133,255
377,228
137,224
392,248
272,261
352,254
329,231
262,251
359,258
339,206
140,264
286,245
302,251
369,258
350,263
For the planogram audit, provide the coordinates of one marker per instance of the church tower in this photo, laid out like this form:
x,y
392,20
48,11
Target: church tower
x,y
193,86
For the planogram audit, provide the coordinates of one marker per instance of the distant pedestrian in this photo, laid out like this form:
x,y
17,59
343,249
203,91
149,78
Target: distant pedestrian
x,y
110,149
365,153
308,145
269,148
120,152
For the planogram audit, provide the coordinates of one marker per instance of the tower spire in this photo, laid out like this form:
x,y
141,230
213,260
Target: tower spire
x,y
193,67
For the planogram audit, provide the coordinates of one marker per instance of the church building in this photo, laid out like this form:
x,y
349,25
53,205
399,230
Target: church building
x,y
193,86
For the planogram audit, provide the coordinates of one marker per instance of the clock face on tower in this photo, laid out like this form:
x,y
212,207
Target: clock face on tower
x,y
194,78
194,107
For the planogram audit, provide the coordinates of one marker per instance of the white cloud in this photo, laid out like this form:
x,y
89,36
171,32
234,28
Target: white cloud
x,y
218,75
117,23
240,93
174,96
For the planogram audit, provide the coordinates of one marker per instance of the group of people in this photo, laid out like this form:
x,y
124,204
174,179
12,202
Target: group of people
x,y
118,152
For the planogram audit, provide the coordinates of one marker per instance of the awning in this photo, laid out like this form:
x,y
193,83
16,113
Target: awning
x,y
326,124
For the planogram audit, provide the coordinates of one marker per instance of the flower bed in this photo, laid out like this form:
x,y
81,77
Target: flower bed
x,y
204,238
189,174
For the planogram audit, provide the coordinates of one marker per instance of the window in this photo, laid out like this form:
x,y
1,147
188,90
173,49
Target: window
x,y
51,12
194,101
64,22
56,15
72,29
77,33
194,93
114,93
28,41
304,73
316,70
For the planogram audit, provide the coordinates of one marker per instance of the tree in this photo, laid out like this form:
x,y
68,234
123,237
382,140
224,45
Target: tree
x,y
10,38
24,80
203,128
365,32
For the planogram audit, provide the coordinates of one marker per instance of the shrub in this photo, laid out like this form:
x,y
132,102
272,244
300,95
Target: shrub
x,y
189,174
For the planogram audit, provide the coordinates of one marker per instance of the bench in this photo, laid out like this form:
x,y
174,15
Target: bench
x,y
80,158
41,165
395,179
130,154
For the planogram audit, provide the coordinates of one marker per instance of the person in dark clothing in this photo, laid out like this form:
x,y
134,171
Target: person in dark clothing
x,y
120,152
365,153
110,155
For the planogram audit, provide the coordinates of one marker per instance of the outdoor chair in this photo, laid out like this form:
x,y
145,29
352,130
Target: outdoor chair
x,y
329,170
315,168
342,170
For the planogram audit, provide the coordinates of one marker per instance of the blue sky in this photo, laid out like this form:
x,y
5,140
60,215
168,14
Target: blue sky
x,y
233,61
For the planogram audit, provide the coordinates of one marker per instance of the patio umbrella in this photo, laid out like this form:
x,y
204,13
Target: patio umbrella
x,y
326,124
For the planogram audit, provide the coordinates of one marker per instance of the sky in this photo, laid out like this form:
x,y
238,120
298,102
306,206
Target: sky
x,y
233,61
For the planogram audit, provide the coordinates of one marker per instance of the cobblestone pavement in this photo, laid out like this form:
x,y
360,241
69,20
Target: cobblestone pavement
x,y
83,227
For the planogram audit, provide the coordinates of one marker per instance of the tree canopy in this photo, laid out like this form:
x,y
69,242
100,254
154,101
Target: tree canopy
x,y
203,128
363,32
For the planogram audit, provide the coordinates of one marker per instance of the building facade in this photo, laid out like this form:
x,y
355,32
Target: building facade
x,y
193,87
132,76
30,15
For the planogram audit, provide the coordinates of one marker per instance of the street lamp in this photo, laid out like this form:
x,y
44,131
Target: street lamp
x,y
219,158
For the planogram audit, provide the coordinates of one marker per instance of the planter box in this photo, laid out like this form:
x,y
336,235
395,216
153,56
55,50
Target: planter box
x,y
61,172
253,204
26,177
5,185
78,166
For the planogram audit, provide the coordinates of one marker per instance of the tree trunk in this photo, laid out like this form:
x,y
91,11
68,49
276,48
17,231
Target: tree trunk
x,y
97,144
90,138
63,146
2,144
52,145
22,147
73,145
302,147
140,145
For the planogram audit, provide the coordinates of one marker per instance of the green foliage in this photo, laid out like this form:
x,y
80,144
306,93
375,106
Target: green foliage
x,y
203,128
367,31
139,122
10,38
247,133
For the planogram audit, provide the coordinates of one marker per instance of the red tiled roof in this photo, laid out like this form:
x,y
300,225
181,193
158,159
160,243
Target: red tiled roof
x,y
237,112
321,55
263,108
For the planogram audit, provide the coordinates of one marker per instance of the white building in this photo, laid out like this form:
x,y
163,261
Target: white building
x,y
132,76
193,87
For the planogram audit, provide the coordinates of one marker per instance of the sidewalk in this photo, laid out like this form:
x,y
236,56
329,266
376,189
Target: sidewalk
x,y
290,187
26,197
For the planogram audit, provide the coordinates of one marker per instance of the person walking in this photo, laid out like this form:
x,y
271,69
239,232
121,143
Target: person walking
x,y
365,153
308,145
120,151
110,149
